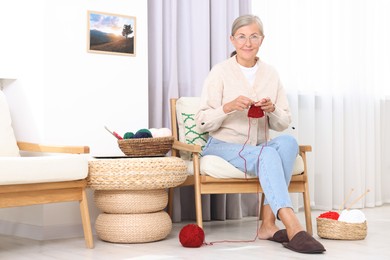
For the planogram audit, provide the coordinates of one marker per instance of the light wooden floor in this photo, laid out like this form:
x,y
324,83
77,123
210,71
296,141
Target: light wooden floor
x,y
375,246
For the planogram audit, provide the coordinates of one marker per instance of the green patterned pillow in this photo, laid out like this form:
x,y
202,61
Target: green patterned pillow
x,y
192,133
186,108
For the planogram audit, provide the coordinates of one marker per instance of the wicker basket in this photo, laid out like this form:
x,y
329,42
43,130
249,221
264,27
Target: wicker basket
x,y
143,147
333,229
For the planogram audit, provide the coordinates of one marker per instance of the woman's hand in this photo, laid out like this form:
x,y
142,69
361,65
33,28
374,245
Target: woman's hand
x,y
266,105
240,103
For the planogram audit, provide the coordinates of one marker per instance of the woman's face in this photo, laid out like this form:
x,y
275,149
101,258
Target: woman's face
x,y
247,41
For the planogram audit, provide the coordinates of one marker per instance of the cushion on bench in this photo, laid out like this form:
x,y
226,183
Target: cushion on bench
x,y
38,169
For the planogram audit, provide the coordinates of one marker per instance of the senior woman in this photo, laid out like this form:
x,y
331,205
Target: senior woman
x,y
243,83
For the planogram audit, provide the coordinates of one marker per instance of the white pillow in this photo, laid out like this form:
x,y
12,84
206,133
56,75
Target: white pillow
x,y
8,146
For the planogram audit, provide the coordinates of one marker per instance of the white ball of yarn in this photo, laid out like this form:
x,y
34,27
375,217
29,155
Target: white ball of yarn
x,y
160,132
352,216
165,132
153,131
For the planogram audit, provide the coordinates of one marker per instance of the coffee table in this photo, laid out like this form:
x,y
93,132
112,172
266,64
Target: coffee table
x,y
131,194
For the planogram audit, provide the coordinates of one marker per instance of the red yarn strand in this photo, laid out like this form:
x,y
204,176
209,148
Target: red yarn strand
x,y
240,241
239,153
258,200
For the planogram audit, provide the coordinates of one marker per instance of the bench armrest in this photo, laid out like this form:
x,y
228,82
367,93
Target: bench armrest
x,y
33,147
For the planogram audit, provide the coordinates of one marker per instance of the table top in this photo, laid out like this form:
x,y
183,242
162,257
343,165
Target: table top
x,y
136,173
123,157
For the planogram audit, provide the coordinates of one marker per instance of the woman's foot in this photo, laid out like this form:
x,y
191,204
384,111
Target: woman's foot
x,y
269,233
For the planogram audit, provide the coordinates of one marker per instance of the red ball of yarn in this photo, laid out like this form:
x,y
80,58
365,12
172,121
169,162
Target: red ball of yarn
x,y
191,235
330,214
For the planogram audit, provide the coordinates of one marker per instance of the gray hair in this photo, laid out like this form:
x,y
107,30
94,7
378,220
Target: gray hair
x,y
245,20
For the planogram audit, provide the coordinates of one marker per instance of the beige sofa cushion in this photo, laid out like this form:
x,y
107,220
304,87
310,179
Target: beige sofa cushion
x,y
8,146
48,168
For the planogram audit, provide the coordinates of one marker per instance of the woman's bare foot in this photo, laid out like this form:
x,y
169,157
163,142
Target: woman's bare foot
x,y
290,221
268,227
267,231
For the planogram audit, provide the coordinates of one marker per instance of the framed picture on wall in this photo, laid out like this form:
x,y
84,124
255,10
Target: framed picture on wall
x,y
111,33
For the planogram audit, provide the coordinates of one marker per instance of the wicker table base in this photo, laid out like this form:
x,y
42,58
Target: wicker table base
x,y
132,195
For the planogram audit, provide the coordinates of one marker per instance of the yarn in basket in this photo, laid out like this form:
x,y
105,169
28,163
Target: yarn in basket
x,y
160,132
143,133
352,216
128,135
330,214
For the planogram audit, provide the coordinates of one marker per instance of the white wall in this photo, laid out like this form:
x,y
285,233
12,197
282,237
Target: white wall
x,y
65,95
386,149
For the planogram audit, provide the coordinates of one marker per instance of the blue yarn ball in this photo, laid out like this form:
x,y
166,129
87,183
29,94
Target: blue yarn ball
x,y
143,133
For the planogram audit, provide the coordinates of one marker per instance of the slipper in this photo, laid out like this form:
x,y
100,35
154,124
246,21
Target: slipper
x,y
280,236
303,242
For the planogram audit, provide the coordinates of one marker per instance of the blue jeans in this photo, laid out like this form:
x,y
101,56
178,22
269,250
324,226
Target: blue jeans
x,y
272,163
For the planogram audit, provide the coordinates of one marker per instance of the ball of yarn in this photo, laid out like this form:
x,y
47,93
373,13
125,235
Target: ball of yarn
x,y
160,132
352,216
143,133
165,132
191,235
128,135
144,130
330,214
153,131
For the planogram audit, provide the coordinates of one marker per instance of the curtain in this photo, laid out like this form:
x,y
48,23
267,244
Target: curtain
x,y
186,38
334,60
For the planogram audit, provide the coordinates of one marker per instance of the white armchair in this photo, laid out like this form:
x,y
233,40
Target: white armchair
x,y
37,174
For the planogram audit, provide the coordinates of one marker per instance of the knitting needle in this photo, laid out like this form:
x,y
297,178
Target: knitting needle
x,y
345,201
281,119
265,112
361,196
113,133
